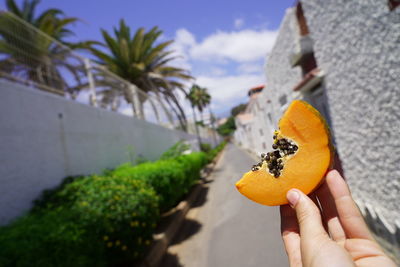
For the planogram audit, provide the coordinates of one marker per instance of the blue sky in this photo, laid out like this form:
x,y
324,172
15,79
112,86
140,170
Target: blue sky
x,y
223,43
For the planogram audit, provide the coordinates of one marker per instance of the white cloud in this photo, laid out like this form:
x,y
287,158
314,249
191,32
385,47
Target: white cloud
x,y
183,42
219,56
250,68
184,37
239,46
238,23
216,71
227,91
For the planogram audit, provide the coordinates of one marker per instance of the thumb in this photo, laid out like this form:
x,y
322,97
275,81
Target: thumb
x,y
308,214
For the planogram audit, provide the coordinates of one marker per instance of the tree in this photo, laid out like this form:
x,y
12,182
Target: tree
x,y
143,62
199,98
228,127
238,109
192,101
33,47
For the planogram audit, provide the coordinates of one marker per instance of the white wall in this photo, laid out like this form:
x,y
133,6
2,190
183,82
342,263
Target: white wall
x,y
357,44
44,138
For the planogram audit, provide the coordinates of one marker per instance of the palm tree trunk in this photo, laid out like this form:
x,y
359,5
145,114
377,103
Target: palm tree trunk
x,y
155,110
167,113
196,127
137,105
212,126
181,114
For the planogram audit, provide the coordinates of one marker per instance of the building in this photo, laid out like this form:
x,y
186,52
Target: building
x,y
344,58
254,125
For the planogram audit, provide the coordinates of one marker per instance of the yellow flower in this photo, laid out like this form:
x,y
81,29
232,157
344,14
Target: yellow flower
x,y
124,248
109,244
117,243
134,214
105,238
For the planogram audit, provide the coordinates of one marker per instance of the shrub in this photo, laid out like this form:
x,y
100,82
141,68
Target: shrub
x,y
171,179
175,151
102,221
99,220
192,165
214,152
54,238
205,147
165,176
121,212
50,197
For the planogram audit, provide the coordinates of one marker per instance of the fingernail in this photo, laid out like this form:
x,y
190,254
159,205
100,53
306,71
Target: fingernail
x,y
293,197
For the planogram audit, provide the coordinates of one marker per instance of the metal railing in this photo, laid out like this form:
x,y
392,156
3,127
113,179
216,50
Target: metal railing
x,y
33,58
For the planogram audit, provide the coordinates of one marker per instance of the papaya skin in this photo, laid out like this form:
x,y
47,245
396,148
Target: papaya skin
x,y
305,170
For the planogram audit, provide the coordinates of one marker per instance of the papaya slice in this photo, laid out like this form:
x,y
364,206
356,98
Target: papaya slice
x,y
302,154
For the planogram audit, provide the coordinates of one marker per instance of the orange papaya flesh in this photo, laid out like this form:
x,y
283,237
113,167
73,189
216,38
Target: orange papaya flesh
x,y
303,154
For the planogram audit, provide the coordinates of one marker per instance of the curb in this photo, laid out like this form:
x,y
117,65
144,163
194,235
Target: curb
x,y
161,241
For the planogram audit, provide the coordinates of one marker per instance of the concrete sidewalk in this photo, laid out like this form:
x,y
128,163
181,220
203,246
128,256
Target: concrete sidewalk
x,y
226,229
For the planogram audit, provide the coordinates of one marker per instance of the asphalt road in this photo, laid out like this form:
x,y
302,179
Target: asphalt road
x,y
226,229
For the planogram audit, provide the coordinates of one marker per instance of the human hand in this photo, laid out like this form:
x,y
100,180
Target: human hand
x,y
329,233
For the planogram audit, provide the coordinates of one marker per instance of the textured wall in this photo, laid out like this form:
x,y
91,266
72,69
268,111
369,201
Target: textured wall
x,y
357,43
281,77
44,138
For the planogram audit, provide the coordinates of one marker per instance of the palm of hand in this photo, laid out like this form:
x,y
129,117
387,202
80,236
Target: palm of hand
x,y
333,234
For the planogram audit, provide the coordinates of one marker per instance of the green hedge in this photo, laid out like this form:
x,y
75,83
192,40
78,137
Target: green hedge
x,y
176,150
214,152
171,179
100,220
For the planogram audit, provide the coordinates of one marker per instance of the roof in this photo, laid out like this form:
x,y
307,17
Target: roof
x,y
256,89
309,80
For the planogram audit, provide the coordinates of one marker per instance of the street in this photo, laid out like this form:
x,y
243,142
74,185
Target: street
x,y
226,229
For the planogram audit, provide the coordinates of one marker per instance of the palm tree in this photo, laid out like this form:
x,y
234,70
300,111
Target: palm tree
x,y
143,62
200,98
33,47
192,101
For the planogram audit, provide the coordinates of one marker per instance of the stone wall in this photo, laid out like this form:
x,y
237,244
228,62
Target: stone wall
x,y
281,77
44,138
357,44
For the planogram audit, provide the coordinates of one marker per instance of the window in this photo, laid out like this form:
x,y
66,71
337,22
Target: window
x,y
283,100
308,64
393,4
270,118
